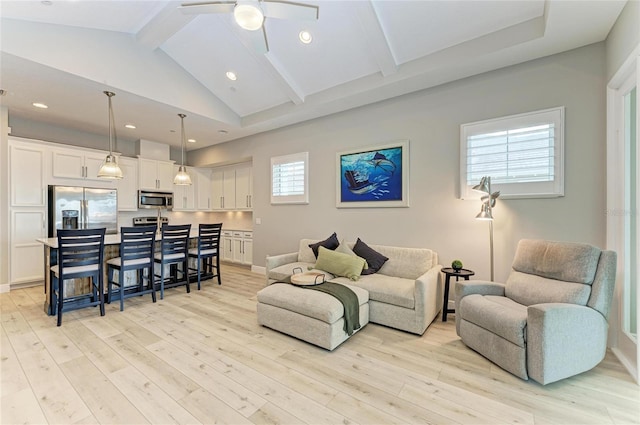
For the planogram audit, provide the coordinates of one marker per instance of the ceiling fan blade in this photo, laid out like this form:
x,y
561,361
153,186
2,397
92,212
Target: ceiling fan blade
x,y
287,10
207,7
258,40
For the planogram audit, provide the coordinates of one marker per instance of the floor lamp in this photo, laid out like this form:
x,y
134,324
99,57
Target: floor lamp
x,y
488,202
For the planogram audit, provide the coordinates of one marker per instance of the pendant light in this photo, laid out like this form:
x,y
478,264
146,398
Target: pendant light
x,y
182,178
109,168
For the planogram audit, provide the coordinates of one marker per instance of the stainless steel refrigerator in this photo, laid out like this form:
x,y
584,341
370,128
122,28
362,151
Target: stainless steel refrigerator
x,y
82,208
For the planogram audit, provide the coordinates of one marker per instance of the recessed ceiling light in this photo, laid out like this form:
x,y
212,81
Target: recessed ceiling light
x,y
46,2
232,75
305,37
39,105
191,140
130,126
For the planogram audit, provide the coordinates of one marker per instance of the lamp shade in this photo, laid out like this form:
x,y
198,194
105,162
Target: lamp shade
x,y
248,16
110,169
182,177
485,212
484,185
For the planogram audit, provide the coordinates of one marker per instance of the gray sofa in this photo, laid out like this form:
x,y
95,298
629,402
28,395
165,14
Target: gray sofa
x,y
549,320
406,293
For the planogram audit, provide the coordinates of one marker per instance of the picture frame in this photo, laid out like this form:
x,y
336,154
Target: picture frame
x,y
373,177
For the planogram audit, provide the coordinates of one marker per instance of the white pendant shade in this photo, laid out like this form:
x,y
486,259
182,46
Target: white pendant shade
x,y
110,168
182,178
248,16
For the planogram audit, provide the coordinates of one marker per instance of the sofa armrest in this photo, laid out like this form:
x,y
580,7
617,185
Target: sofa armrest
x,y
273,261
563,340
469,287
428,295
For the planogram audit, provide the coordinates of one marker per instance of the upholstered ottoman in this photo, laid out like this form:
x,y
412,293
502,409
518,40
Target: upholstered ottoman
x,y
309,315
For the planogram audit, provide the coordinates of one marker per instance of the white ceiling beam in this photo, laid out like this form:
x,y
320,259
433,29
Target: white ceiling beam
x,y
375,37
163,26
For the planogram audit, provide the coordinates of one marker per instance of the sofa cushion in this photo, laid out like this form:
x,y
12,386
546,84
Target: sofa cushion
x,y
530,289
570,262
286,270
386,289
410,263
305,253
499,315
339,264
331,243
309,303
374,259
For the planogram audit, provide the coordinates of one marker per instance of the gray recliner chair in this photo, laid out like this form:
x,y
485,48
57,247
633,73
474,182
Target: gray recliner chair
x,y
549,320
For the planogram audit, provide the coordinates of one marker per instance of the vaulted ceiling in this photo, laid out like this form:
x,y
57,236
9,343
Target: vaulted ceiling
x,y
161,61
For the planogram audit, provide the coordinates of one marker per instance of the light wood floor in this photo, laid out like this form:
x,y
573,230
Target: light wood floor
x,y
202,358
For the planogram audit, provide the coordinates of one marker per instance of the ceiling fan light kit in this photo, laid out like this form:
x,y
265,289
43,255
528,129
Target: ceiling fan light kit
x,y
248,16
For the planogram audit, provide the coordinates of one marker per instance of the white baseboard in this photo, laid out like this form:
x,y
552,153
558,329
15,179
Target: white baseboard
x,y
633,371
259,270
5,288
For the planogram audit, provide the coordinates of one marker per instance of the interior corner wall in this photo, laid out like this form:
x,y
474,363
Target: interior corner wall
x,y
4,199
431,120
623,37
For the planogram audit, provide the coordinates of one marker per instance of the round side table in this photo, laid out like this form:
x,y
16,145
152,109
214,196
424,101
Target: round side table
x,y
448,272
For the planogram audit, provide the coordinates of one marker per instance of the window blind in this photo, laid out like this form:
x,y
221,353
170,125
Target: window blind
x,y
288,179
523,154
518,155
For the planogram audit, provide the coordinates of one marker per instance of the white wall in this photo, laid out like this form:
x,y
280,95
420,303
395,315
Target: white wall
x,y
431,120
623,37
4,199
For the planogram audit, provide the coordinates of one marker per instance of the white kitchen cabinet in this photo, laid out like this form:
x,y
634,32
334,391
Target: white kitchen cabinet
x,y
232,188
27,175
77,164
128,185
227,245
243,185
155,175
204,192
27,255
184,197
223,189
242,247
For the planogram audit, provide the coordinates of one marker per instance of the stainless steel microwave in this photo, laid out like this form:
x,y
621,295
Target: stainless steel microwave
x,y
155,199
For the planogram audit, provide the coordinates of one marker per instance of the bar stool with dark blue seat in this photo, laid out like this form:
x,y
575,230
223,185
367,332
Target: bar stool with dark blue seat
x,y
173,252
208,249
80,255
136,254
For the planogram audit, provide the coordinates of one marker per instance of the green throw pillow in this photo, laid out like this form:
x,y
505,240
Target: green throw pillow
x,y
339,264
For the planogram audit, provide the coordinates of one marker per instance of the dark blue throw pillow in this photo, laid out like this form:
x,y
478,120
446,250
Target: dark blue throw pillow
x,y
374,259
331,243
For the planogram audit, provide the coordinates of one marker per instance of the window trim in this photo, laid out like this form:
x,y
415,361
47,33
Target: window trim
x,y
521,190
286,159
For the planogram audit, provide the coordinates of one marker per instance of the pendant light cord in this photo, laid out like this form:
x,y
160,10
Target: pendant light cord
x,y
112,123
182,134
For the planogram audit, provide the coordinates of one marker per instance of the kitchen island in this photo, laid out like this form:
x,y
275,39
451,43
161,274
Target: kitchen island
x,y
79,287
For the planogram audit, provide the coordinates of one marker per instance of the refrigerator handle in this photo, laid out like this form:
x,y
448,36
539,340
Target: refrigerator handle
x,y
83,213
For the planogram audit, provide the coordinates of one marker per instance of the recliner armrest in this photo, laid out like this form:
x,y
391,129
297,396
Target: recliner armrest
x,y
469,287
563,340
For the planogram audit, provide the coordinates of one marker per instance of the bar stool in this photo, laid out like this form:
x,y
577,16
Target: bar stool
x,y
173,251
80,254
136,253
208,248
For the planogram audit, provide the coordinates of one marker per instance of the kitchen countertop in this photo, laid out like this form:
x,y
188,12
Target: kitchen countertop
x,y
111,239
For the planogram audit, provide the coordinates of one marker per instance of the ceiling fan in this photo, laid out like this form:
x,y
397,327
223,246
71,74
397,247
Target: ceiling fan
x,y
250,14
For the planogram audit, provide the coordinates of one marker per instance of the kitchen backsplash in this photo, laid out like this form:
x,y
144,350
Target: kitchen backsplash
x,y
237,220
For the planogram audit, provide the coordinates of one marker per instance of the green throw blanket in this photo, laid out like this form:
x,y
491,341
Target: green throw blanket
x,y
348,299
346,296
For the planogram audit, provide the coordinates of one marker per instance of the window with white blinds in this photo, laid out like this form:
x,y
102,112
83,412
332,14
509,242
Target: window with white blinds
x,y
523,154
289,179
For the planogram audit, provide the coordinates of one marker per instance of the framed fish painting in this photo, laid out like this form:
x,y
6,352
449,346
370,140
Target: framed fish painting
x,y
373,177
